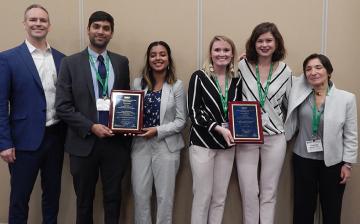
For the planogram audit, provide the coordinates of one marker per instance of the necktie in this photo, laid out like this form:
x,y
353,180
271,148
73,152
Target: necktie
x,y
101,67
103,115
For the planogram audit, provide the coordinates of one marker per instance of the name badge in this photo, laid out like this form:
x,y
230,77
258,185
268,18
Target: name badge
x,y
225,125
103,104
314,145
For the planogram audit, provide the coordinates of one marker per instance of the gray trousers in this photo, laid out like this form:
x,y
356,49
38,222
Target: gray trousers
x,y
152,162
259,194
211,172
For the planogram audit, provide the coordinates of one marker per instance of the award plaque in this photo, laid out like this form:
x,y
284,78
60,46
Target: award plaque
x,y
245,122
126,111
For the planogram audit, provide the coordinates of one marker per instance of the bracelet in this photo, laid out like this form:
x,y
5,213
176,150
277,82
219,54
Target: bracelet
x,y
348,165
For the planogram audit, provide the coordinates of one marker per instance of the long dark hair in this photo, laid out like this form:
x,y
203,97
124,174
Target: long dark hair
x,y
148,76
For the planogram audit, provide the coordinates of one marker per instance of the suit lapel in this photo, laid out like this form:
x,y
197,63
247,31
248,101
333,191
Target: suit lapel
x,y
115,66
299,93
87,72
57,60
165,93
331,105
29,62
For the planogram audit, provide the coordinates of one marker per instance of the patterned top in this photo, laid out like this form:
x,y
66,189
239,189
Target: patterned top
x,y
152,102
206,111
276,101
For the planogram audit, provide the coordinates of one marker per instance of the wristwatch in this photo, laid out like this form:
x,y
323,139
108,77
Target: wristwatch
x,y
348,165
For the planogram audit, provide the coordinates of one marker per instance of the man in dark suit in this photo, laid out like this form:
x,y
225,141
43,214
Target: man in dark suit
x,y
82,101
31,135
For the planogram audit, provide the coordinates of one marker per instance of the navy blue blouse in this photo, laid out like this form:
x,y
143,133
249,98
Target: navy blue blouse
x,y
152,102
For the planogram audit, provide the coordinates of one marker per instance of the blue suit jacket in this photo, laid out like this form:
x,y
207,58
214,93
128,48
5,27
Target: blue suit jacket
x,y
22,99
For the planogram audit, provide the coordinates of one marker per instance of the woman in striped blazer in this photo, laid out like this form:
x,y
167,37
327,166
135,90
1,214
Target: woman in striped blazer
x,y
212,147
266,79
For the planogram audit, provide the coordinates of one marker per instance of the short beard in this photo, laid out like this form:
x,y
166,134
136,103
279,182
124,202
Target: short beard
x,y
98,46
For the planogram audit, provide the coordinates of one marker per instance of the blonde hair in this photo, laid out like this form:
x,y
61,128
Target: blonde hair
x,y
35,6
208,65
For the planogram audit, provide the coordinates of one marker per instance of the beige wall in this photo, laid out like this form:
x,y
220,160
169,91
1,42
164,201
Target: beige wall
x,y
343,49
187,26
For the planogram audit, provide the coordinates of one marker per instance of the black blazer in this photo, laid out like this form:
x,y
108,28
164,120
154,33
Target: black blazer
x,y
76,102
206,111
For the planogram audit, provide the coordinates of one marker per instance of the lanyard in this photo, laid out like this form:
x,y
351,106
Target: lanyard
x,y
224,99
103,82
316,116
262,95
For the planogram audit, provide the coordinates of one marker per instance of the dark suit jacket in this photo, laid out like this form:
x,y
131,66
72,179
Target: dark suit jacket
x,y
76,102
21,89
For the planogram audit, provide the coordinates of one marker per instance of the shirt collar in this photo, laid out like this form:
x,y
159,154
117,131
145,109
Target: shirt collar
x,y
32,48
94,54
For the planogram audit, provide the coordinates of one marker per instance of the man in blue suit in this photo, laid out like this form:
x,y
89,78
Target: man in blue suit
x,y
31,135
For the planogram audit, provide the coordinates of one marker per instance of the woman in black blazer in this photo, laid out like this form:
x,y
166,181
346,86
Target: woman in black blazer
x,y
211,143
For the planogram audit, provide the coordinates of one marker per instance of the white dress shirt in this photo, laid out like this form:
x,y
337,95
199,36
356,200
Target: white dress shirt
x,y
45,66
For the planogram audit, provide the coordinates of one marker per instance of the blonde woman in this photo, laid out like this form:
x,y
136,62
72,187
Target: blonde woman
x,y
212,147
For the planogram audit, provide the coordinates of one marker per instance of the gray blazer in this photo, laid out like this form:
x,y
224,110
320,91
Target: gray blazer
x,y
340,137
173,114
76,102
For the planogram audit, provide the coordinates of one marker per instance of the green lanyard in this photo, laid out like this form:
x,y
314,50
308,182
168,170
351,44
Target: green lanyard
x,y
262,95
103,82
224,99
316,117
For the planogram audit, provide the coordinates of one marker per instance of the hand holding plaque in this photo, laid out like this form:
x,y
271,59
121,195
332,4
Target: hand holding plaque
x,y
126,111
245,122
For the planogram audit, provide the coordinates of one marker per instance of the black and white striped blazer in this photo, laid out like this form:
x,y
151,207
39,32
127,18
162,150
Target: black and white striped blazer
x,y
276,101
205,109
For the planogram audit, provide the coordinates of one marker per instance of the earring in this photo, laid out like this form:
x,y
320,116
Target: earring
x,y
232,71
211,68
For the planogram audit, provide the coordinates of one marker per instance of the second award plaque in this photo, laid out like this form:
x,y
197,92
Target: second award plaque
x,y
126,111
245,122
